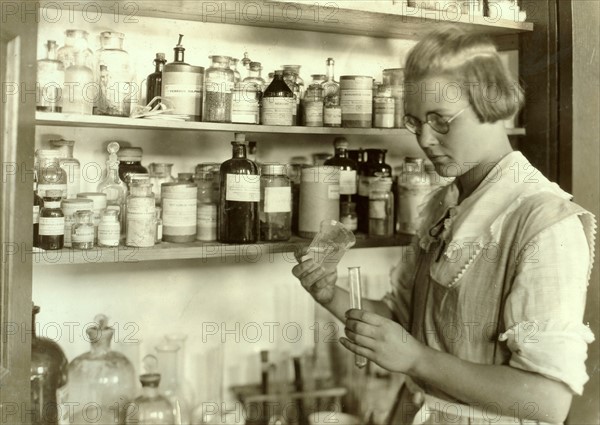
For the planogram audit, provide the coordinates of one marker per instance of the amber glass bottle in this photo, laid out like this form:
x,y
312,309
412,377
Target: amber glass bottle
x,y
52,222
372,164
348,172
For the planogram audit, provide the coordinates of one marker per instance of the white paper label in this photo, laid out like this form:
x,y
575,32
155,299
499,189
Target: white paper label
x,y
313,112
242,188
182,90
333,191
357,101
347,182
377,209
52,226
179,212
278,110
245,111
82,234
207,222
278,199
332,115
109,234
36,214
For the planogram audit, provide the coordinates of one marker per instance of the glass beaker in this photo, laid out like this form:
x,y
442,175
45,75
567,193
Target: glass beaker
x,y
330,244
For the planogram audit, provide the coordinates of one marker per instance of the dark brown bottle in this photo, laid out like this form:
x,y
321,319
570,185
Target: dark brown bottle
x,y
154,81
278,103
37,204
52,222
348,172
373,162
240,197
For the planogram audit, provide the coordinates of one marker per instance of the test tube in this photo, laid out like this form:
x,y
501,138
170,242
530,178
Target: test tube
x,y
356,302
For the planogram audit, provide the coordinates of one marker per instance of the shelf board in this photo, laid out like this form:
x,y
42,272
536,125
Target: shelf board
x,y
204,251
99,121
381,18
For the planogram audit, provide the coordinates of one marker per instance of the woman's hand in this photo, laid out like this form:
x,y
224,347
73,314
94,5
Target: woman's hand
x,y
382,341
316,280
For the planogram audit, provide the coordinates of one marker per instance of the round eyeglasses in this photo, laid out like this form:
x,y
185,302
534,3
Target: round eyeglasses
x,y
437,122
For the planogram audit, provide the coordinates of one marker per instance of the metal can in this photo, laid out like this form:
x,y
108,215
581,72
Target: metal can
x,y
356,99
179,202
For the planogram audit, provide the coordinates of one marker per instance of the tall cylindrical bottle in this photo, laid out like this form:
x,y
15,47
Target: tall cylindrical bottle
x,y
80,91
240,197
413,187
372,164
141,225
219,80
52,222
207,179
275,203
154,80
50,80
381,207
115,98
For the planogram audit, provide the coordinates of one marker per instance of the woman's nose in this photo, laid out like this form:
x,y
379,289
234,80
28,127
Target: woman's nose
x,y
427,137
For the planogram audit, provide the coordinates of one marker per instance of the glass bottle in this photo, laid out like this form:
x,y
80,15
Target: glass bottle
x,y
37,204
373,162
413,186
154,81
254,78
52,222
240,197
245,104
160,173
296,70
70,165
82,232
48,373
50,81
332,114
101,378
278,103
76,41
130,161
171,389
49,173
80,92
313,106
384,107
112,185
218,90
269,79
179,339
236,73
246,65
348,172
109,229
141,213
348,216
294,173
275,203
207,179
69,208
381,207
119,82
291,79
158,235
150,408
99,204
318,78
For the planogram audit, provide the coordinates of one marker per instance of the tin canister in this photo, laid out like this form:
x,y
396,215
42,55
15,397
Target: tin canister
x,y
319,198
179,202
182,86
356,99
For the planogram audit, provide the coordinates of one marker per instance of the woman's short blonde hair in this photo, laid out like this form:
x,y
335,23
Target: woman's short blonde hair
x,y
473,61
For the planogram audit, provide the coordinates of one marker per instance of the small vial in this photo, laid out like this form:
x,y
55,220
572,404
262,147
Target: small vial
x,y
52,222
356,302
159,225
109,229
82,232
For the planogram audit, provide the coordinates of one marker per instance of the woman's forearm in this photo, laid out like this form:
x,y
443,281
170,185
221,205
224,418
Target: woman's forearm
x,y
341,303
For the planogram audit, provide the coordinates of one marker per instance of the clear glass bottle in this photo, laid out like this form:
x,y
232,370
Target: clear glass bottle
x,y
312,106
240,197
80,92
112,185
413,186
102,378
207,179
99,204
381,207
119,78
254,78
348,172
76,41
275,203
49,173
109,229
141,225
50,81
348,216
234,68
170,388
158,235
373,163
332,113
219,81
160,173
318,79
130,161
185,177
384,107
246,65
151,407
52,222
291,79
70,165
69,208
48,373
82,232
296,70
278,103
154,80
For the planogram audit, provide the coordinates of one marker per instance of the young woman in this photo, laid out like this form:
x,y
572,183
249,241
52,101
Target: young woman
x,y
485,312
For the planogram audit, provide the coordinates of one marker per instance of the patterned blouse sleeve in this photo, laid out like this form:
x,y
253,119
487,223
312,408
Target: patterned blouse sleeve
x,y
544,310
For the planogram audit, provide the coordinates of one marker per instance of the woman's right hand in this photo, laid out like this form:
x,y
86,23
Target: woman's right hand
x,y
319,282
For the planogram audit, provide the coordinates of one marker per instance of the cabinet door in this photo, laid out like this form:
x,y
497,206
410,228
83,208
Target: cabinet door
x,y
18,37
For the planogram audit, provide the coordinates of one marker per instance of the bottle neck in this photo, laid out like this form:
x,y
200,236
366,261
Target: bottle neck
x,y
179,55
239,151
150,392
159,65
254,73
100,340
330,72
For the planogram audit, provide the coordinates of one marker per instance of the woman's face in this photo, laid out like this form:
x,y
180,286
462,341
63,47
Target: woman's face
x,y
465,145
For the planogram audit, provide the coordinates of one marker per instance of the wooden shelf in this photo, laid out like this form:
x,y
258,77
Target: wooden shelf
x,y
98,121
381,18
205,251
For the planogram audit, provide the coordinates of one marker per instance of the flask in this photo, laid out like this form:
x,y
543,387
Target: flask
x,y
413,187
70,165
332,112
49,368
160,173
319,198
82,232
373,162
52,222
182,85
76,41
109,229
179,339
154,81
150,408
112,185
130,161
102,378
313,106
37,204
275,203
79,92
218,89
141,225
207,179
99,200
49,173
278,103
179,205
381,207
119,76
356,100
69,208
239,196
168,365
233,65
50,81
348,171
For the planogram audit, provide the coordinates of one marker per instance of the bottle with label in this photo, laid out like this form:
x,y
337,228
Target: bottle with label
x,y
179,206
49,173
52,222
245,104
348,172
130,162
69,208
160,173
348,216
76,41
82,232
295,69
381,207
119,79
384,107
413,186
278,103
80,92
37,204
219,81
109,229
319,198
141,226
70,165
291,79
50,80
154,81
356,99
240,196
99,204
312,106
182,86
332,112
275,203
373,162
112,185
207,179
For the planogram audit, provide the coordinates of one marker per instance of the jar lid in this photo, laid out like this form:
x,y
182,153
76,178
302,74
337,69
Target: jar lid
x,y
318,76
356,77
255,65
98,198
84,214
110,34
273,168
52,193
112,213
220,58
151,380
130,154
76,203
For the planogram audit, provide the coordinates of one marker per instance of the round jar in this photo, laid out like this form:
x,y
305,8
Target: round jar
x,y
356,100
275,210
141,225
100,201
109,229
82,232
69,208
384,109
319,198
179,202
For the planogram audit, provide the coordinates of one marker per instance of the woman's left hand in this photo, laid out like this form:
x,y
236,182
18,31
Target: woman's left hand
x,y
382,341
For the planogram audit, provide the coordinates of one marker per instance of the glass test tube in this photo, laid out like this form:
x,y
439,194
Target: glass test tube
x,y
356,302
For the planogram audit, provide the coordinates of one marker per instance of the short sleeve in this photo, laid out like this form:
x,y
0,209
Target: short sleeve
x,y
544,310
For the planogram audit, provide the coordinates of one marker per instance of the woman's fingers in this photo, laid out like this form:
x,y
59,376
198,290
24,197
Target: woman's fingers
x,y
357,349
366,317
361,328
304,268
358,339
